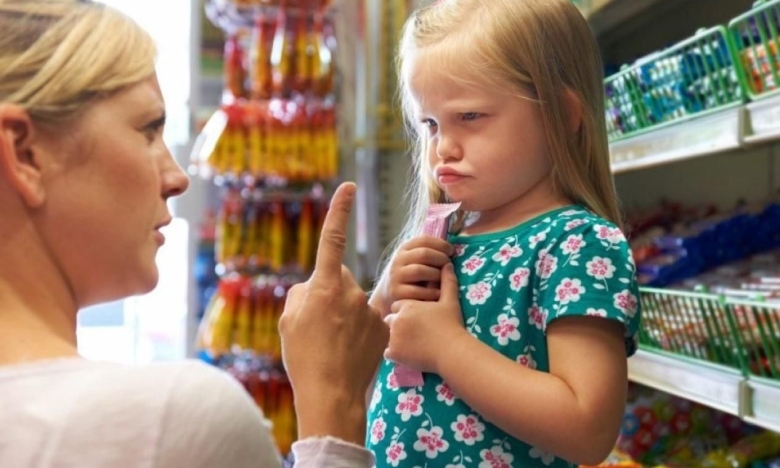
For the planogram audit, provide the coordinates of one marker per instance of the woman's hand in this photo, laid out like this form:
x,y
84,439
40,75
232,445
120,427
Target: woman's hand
x,y
415,266
421,332
332,341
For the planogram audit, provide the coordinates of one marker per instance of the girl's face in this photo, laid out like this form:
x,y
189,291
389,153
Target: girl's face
x,y
486,147
106,198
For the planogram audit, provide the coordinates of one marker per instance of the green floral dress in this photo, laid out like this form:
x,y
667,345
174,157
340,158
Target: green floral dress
x,y
566,263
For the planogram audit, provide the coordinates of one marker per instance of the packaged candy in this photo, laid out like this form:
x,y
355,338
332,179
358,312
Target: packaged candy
x,y
436,225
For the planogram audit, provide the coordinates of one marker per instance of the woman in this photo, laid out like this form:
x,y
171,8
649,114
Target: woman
x,y
84,179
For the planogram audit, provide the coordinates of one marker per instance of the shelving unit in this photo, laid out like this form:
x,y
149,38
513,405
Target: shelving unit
x,y
754,399
714,386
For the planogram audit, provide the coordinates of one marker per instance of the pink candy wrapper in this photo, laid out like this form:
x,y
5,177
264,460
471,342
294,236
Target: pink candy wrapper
x,y
436,225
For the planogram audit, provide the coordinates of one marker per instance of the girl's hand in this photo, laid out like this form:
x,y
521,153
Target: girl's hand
x,y
421,332
415,265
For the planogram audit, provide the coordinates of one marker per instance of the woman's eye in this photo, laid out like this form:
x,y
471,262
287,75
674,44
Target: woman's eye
x,y
469,116
430,123
153,130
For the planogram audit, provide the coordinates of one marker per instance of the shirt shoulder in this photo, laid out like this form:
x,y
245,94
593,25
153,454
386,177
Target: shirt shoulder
x,y
160,415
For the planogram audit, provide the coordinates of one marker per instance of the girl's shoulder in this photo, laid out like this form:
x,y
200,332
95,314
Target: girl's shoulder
x,y
578,223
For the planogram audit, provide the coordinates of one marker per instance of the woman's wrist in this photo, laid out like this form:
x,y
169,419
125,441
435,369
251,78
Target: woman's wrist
x,y
328,414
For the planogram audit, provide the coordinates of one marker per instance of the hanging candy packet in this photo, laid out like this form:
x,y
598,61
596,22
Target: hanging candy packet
x,y
436,225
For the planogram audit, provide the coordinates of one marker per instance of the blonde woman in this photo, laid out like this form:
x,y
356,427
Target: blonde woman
x,y
524,343
84,179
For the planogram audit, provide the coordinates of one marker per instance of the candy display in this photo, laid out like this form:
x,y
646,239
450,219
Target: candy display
x,y
272,152
272,392
277,141
692,77
268,233
287,51
756,37
307,4
695,241
243,315
663,431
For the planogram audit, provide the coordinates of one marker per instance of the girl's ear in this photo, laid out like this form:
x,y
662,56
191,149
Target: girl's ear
x,y
573,110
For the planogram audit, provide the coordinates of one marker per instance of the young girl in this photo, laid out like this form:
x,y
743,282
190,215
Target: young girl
x,y
524,344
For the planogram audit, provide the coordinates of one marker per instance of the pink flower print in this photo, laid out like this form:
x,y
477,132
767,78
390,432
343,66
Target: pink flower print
x,y
537,317
431,442
444,393
460,249
496,458
506,253
546,265
506,329
612,235
569,290
526,360
519,279
392,381
395,453
536,239
409,404
375,398
626,302
472,265
378,431
573,244
468,429
478,293
547,458
571,212
574,223
591,312
600,268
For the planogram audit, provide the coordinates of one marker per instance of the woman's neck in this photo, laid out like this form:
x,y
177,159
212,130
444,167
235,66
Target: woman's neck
x,y
37,308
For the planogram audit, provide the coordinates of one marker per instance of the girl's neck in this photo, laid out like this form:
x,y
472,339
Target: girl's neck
x,y
536,202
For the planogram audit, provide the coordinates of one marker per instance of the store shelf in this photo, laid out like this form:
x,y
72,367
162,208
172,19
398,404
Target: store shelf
x,y
764,119
763,403
755,400
712,386
616,12
701,136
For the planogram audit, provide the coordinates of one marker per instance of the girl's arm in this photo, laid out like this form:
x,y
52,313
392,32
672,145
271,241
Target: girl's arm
x,y
573,412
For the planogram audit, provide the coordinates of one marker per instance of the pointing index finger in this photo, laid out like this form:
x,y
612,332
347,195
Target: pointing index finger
x,y
333,239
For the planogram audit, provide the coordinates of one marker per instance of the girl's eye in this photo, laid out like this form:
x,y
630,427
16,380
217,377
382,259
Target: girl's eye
x,y
469,116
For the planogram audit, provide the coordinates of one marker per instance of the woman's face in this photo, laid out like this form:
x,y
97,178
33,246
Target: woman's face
x,y
106,197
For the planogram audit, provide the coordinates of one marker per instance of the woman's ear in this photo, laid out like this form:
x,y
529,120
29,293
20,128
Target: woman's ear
x,y
20,163
573,110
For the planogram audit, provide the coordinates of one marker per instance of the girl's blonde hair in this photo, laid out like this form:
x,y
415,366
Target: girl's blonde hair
x,y
57,56
541,48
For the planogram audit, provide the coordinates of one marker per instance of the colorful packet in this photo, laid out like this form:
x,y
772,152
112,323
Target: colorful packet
x,y
436,225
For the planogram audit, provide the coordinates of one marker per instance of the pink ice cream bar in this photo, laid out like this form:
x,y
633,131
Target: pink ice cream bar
x,y
436,225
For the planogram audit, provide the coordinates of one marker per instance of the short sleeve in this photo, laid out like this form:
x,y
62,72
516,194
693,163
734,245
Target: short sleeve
x,y
589,271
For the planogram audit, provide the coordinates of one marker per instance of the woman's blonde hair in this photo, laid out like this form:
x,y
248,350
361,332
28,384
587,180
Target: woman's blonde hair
x,y
57,56
543,49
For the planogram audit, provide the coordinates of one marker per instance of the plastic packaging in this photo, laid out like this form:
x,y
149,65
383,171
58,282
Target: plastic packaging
x,y
436,225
